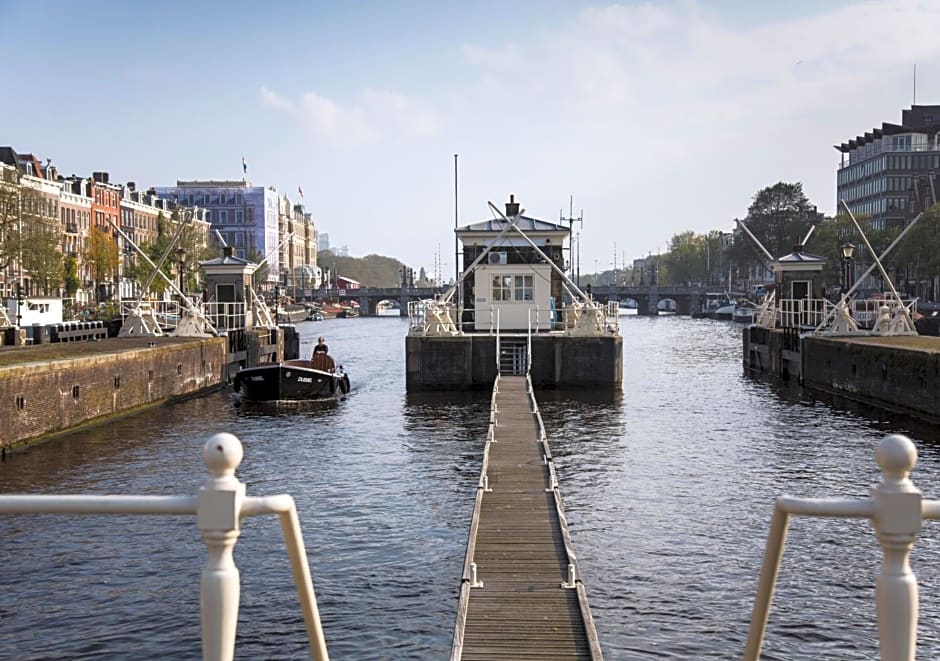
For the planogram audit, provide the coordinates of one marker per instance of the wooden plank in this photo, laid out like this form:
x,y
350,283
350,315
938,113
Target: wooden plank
x,y
521,548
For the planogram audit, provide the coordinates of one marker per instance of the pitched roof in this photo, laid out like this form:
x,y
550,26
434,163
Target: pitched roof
x,y
524,223
798,256
9,157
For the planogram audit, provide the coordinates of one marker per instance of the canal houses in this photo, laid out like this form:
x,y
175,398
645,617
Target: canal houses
x,y
513,311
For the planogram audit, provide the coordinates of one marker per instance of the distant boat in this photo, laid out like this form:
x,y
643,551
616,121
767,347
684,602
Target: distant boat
x,y
718,305
292,313
627,307
388,308
336,310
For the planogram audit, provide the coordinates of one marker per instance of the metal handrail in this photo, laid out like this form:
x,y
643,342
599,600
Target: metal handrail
x,y
497,342
897,510
219,507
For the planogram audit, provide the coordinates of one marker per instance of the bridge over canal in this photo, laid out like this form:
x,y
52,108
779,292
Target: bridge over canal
x,y
687,299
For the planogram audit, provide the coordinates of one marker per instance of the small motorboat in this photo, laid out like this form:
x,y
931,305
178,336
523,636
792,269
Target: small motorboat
x,y
743,312
292,380
388,308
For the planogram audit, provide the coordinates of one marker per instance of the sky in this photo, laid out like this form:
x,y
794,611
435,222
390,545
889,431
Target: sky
x,y
646,119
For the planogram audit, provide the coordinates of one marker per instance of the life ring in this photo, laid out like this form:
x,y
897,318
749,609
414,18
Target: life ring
x,y
345,383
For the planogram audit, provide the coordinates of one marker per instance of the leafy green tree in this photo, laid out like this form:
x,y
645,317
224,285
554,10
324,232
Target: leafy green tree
x,y
918,255
779,217
370,271
686,260
102,255
9,216
71,280
42,259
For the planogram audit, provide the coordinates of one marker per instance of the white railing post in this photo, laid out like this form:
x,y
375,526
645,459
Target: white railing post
x,y
897,523
896,509
218,512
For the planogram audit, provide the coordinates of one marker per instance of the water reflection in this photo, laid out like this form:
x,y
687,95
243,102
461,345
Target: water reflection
x,y
668,487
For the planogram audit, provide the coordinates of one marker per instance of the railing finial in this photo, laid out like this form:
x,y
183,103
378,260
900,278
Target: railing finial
x,y
897,457
222,454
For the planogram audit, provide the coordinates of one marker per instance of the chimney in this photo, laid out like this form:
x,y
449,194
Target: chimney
x,y
227,251
512,207
100,177
131,186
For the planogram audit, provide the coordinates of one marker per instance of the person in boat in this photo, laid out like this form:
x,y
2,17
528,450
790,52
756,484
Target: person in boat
x,y
321,346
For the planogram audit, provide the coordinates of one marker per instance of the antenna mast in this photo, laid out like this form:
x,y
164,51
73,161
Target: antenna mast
x,y
571,220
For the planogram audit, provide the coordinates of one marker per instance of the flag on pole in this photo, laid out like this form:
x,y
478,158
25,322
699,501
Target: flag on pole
x,y
244,165
301,191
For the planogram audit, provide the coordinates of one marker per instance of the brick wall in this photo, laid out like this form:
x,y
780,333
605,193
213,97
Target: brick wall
x,y
43,397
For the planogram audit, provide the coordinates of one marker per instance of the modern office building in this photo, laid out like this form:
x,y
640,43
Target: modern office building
x,y
246,216
889,173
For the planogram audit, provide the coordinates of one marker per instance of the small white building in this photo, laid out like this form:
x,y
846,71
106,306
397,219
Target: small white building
x,y
513,278
35,310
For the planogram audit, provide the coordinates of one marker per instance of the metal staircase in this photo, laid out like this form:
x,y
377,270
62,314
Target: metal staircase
x,y
513,356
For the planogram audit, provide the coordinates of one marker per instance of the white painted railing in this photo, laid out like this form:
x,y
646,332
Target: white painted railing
x,y
219,507
897,510
814,312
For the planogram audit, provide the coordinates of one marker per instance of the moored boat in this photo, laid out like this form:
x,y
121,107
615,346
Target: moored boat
x,y
388,308
743,312
292,314
296,380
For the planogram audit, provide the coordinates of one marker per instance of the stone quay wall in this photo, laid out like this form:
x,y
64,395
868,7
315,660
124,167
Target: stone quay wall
x,y
45,393
895,373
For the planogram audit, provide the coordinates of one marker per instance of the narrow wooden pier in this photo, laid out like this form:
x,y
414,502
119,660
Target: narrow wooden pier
x,y
521,595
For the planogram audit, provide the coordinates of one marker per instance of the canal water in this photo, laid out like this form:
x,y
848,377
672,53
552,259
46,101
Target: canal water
x,y
668,487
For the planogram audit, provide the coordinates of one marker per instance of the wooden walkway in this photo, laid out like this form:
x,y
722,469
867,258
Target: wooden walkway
x,y
521,596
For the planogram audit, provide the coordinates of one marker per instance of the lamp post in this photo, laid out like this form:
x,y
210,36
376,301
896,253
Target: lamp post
x,y
848,250
181,260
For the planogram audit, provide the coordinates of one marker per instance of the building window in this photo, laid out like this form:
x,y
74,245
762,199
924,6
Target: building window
x,y
502,287
523,288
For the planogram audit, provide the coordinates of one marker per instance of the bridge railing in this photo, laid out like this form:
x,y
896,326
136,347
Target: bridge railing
x,y
219,507
896,509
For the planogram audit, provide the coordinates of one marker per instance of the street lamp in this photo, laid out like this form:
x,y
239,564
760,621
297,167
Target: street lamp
x,y
847,251
181,260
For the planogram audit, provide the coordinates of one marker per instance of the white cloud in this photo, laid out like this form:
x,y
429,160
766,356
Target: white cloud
x,y
377,114
650,99
273,100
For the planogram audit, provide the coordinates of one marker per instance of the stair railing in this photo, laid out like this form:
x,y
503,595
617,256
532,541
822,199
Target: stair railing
x,y
498,353
219,507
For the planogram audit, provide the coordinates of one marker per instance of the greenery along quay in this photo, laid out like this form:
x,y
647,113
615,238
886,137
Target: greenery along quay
x,y
780,217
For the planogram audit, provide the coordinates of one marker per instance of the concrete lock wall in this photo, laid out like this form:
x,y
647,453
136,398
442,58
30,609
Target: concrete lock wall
x,y
894,377
469,362
41,398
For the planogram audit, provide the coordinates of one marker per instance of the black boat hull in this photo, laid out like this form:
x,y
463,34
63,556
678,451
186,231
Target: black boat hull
x,y
291,380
